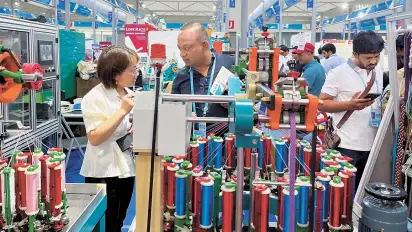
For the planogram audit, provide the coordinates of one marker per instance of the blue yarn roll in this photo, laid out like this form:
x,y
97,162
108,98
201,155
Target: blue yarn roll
x,y
287,225
325,202
207,206
303,205
281,156
301,160
201,154
180,196
260,156
218,148
210,152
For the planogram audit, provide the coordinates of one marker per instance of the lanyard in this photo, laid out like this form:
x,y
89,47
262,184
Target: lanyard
x,y
192,88
363,81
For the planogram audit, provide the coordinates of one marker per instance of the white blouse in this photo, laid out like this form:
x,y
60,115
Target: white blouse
x,y
106,159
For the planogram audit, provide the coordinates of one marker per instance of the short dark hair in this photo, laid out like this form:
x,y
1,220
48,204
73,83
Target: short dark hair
x,y
368,42
320,50
400,42
329,48
112,62
284,48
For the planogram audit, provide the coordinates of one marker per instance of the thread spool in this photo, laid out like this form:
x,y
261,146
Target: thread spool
x,y
334,153
217,156
21,191
335,210
31,175
325,159
8,194
303,202
24,158
324,179
44,178
287,224
3,164
348,195
206,215
210,152
248,157
178,160
267,152
281,156
14,156
335,165
261,153
302,144
318,219
62,160
202,151
230,151
307,156
261,211
36,160
281,201
228,207
180,194
196,189
171,185
343,160
186,165
217,184
55,170
194,153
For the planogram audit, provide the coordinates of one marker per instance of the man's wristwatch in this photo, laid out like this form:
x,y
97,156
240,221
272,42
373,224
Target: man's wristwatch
x,y
320,102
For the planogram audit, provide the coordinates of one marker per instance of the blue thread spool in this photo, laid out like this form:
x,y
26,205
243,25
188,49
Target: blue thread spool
x,y
324,179
326,158
303,202
181,176
302,145
218,148
201,151
260,155
287,224
206,213
281,156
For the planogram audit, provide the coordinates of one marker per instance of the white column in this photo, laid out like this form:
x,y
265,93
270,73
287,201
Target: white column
x,y
280,25
244,24
67,14
114,25
313,27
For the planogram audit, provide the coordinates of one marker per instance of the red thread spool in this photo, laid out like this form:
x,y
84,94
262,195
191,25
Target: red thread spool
x,y
307,153
196,189
3,164
280,202
55,187
228,207
261,212
318,210
230,151
34,68
348,189
267,151
318,158
44,186
335,207
248,157
171,183
21,180
194,153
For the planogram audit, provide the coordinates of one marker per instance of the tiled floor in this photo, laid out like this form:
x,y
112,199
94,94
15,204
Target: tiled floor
x,y
73,176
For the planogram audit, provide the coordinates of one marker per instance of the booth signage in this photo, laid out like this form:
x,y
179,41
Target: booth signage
x,y
277,19
232,4
231,24
309,4
104,44
136,37
110,16
224,17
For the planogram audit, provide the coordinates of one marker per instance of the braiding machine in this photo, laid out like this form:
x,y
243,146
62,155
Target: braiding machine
x,y
209,183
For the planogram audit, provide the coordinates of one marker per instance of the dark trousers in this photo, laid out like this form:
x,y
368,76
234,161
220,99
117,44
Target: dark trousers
x,y
359,160
119,194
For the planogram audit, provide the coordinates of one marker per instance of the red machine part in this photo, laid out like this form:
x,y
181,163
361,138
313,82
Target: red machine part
x,y
158,51
261,211
230,151
9,90
33,69
43,176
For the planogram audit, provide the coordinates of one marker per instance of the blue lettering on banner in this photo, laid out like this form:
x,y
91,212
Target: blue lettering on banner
x,y
96,25
224,17
110,17
323,32
232,4
309,4
59,15
277,19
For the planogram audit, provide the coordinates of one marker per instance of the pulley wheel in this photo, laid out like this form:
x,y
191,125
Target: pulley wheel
x,y
33,69
385,192
9,90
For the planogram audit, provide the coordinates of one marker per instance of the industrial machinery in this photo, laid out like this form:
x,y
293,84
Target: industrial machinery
x,y
383,209
247,169
33,192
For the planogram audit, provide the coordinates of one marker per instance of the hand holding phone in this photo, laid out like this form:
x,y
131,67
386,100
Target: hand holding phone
x,y
372,96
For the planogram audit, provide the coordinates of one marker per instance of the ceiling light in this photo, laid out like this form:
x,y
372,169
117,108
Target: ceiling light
x,y
361,15
345,6
214,7
143,5
154,14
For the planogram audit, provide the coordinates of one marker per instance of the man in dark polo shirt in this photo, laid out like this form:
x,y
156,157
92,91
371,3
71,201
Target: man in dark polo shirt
x,y
202,67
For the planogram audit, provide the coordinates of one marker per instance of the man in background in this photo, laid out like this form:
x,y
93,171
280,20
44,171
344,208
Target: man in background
x,y
313,71
284,51
340,94
332,60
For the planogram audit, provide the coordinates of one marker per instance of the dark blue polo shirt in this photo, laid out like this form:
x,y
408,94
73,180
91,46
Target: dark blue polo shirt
x,y
181,84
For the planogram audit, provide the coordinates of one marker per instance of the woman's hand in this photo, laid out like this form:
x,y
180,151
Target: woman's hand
x,y
126,104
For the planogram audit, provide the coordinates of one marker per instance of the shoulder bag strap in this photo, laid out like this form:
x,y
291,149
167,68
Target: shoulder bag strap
x,y
362,95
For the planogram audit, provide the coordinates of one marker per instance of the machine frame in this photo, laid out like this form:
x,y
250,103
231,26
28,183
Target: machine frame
x,y
36,132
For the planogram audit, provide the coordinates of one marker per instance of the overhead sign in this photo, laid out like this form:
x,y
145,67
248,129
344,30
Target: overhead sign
x,y
309,4
224,17
277,19
110,17
136,37
232,4
104,44
231,24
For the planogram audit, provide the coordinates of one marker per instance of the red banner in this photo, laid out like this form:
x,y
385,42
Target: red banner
x,y
150,27
136,37
104,44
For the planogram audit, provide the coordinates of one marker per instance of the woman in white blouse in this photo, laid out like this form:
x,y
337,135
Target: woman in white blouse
x,y
106,110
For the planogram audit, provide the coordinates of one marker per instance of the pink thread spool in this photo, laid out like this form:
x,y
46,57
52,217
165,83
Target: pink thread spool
x,y
32,190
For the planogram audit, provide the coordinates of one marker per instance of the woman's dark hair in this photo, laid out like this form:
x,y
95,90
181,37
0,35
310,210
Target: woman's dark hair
x,y
368,42
112,62
400,42
329,48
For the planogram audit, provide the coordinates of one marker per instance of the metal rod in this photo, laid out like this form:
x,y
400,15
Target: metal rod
x,y
244,23
313,26
209,119
279,183
253,157
287,126
197,98
312,179
94,24
114,17
67,15
280,24
236,48
239,190
399,16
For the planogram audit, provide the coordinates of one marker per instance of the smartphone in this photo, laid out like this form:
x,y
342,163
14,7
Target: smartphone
x,y
373,96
